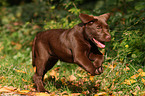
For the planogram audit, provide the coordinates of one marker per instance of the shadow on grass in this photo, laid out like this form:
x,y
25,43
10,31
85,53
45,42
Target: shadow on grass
x,y
80,86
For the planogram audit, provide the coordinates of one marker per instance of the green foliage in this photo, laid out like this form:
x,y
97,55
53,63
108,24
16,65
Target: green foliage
x,y
128,37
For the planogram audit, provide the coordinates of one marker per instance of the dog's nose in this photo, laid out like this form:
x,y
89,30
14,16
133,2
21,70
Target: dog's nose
x,y
108,38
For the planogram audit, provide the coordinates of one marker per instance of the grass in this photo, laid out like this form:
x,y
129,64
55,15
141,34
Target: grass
x,y
16,71
120,77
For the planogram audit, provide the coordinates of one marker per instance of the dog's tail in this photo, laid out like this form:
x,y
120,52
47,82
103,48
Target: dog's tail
x,y
33,52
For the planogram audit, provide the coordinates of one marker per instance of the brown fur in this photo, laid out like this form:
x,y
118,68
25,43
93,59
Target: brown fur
x,y
73,45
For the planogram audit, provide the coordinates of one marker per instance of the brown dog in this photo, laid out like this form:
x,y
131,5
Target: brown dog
x,y
76,45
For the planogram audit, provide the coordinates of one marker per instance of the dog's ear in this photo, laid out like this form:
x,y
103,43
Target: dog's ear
x,y
86,18
105,16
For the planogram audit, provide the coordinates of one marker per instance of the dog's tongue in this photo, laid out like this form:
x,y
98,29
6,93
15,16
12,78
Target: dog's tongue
x,y
99,44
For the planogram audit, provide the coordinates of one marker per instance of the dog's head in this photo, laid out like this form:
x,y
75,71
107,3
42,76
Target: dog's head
x,y
96,28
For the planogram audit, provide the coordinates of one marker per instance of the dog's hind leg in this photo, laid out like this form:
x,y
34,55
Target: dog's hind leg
x,y
43,62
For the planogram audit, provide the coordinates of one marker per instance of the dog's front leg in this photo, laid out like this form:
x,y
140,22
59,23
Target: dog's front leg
x,y
98,63
81,59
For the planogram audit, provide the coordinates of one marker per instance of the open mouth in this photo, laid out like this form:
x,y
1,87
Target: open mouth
x,y
99,44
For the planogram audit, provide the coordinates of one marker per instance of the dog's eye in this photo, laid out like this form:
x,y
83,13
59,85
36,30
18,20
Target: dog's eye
x,y
98,27
91,22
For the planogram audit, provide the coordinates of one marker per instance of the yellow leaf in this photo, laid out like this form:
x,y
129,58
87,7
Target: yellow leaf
x,y
100,94
34,68
24,91
7,89
19,71
1,48
75,94
96,95
134,76
129,82
18,46
117,73
142,74
91,78
4,90
41,94
126,69
63,79
24,80
143,80
72,78
52,73
45,76
126,46
112,67
140,70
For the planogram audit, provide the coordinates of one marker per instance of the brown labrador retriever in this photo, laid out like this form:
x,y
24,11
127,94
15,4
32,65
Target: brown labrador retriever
x,y
76,45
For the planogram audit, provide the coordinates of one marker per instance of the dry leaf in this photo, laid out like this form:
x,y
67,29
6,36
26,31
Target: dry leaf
x,y
91,78
54,73
134,76
129,82
19,71
72,78
23,91
140,93
126,69
1,48
112,66
75,94
7,89
18,46
117,73
142,74
24,80
45,76
143,80
34,68
140,70
36,27
41,94
100,94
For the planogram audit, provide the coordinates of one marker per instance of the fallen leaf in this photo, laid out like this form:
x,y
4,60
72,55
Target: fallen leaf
x,y
140,70
45,76
134,76
19,71
72,78
91,78
117,73
140,93
63,79
24,80
1,48
54,74
126,69
41,94
143,80
24,92
100,94
129,82
142,74
36,27
111,66
7,89
75,94
34,68
18,46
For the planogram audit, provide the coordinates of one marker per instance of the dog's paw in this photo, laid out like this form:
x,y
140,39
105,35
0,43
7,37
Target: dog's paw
x,y
99,70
